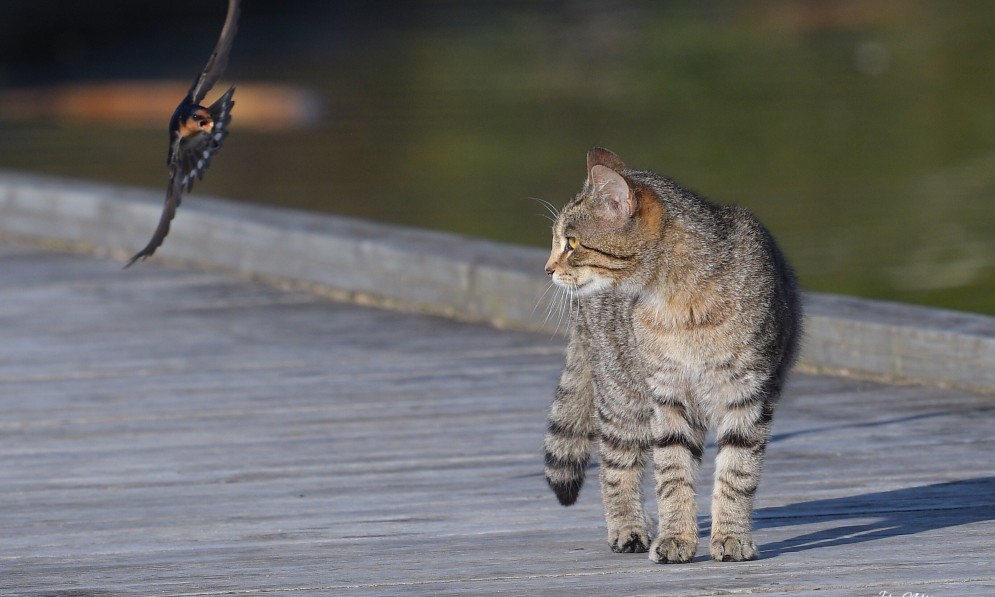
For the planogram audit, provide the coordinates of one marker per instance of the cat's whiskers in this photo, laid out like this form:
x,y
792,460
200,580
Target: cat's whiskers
x,y
567,303
542,296
564,296
553,212
553,302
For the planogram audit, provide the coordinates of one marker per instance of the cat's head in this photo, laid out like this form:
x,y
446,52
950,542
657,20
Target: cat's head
x,y
603,238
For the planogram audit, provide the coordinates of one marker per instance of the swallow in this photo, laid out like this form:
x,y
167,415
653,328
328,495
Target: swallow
x,y
195,132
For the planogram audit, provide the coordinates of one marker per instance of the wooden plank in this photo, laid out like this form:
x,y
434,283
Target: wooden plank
x,y
167,432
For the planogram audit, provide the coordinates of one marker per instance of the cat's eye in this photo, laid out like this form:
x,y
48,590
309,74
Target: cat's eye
x,y
571,243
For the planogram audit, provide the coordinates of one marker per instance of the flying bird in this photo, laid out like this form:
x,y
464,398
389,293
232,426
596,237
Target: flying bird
x,y
195,132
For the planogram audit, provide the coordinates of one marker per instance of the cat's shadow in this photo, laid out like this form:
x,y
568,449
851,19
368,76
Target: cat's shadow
x,y
881,514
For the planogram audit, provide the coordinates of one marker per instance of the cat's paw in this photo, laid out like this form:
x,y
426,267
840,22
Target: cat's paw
x,y
733,548
629,539
673,550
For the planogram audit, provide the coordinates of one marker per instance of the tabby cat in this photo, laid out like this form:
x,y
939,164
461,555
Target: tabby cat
x,y
687,316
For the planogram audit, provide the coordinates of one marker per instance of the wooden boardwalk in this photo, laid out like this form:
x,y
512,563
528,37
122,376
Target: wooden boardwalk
x,y
170,432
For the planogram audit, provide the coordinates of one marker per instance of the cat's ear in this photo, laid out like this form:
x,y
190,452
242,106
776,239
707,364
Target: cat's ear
x,y
604,170
613,194
605,157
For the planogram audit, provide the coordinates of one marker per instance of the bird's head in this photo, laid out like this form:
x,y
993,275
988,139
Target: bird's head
x,y
202,119
199,121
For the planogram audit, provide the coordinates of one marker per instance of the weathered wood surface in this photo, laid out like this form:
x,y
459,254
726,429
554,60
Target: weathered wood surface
x,y
168,432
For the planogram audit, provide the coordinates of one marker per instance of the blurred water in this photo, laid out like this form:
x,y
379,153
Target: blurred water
x,y
862,133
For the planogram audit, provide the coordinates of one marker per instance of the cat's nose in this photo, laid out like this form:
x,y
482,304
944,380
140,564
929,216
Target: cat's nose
x,y
549,271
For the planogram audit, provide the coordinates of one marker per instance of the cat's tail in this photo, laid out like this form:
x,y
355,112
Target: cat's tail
x,y
572,427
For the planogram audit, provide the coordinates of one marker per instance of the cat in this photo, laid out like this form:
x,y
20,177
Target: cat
x,y
684,315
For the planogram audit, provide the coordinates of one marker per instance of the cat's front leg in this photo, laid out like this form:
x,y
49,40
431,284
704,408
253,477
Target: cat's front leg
x,y
678,442
623,462
743,431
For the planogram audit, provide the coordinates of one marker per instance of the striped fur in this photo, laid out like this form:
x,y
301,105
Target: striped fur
x,y
688,318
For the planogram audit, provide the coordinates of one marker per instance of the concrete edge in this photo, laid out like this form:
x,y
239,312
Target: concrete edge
x,y
460,277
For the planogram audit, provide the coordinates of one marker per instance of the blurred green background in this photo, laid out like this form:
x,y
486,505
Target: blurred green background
x,y
861,132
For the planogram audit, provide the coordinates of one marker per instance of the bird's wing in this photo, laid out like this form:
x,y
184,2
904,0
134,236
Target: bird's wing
x,y
219,58
173,198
